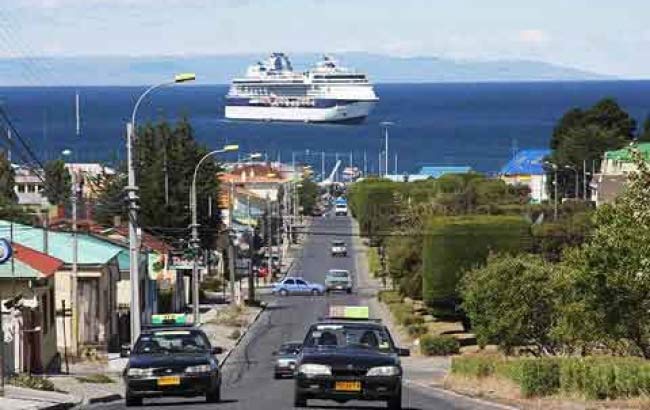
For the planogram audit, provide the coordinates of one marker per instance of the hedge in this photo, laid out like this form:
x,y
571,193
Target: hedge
x,y
431,345
595,378
456,244
389,296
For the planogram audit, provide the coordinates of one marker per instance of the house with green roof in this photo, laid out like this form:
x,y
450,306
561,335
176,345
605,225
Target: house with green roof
x,y
94,322
616,165
27,300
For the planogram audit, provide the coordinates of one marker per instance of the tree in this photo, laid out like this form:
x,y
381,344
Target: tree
x,y
110,199
7,181
609,277
511,302
58,185
308,195
584,136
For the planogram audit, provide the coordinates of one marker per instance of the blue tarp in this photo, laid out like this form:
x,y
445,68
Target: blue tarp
x,y
526,162
439,171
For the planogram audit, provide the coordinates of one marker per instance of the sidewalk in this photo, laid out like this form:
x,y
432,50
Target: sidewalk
x,y
429,371
18,398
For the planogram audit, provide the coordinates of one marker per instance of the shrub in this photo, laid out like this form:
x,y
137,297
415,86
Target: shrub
x,y
539,377
235,334
98,378
416,330
32,382
431,345
400,311
389,296
412,319
455,244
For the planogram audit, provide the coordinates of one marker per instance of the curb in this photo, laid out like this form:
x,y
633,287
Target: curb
x,y
105,399
60,406
263,306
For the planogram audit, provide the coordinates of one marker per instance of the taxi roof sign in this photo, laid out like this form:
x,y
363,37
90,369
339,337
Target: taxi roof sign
x,y
350,312
169,319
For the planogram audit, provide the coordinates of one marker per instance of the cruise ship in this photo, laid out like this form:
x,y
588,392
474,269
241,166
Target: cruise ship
x,y
272,91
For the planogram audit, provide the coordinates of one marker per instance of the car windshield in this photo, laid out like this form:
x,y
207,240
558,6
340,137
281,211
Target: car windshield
x,y
338,243
173,341
338,336
338,274
289,348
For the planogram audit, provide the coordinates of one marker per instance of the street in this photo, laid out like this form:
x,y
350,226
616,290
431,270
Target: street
x,y
248,373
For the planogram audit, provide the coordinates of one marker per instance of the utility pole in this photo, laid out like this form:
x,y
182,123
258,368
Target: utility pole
x,y
74,298
555,193
322,166
386,152
395,164
231,246
269,259
365,164
251,245
134,265
9,147
584,179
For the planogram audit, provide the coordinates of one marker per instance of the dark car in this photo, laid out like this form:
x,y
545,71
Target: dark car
x,y
176,361
285,359
345,360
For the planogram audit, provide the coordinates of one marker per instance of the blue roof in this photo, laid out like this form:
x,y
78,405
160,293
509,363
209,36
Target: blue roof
x,y
91,250
437,172
526,162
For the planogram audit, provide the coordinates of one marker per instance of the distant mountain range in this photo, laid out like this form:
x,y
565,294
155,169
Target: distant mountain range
x,y
220,69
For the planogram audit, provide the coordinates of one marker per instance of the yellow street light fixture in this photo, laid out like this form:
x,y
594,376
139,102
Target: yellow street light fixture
x,y
230,148
184,77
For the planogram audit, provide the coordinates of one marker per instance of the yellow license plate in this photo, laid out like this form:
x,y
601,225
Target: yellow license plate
x,y
169,381
347,386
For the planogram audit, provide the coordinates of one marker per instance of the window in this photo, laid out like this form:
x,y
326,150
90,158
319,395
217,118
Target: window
x,y
300,282
289,282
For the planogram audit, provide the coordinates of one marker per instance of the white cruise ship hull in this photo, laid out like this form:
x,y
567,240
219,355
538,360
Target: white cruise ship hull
x,y
354,111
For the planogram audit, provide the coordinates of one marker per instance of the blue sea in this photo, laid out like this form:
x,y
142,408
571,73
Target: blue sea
x,y
435,124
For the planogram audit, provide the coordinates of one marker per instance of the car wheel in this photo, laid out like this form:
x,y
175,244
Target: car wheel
x,y
132,401
349,291
214,396
315,292
283,292
276,376
395,402
299,400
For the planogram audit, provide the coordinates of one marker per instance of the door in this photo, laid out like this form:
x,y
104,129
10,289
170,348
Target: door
x,y
290,286
302,288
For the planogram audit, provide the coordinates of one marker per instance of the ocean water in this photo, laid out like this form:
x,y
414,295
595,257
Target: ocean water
x,y
435,124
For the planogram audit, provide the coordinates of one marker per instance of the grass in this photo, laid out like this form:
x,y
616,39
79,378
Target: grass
x,y
31,382
374,265
97,378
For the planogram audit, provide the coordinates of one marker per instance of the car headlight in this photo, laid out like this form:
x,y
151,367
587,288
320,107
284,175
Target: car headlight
x,y
285,362
310,369
384,371
139,372
203,368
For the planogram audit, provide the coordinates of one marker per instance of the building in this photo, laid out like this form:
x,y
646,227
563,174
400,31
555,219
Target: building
x,y
616,165
438,171
98,273
28,186
527,168
28,311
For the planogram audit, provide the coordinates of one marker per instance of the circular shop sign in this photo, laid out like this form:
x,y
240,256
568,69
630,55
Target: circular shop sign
x,y
5,251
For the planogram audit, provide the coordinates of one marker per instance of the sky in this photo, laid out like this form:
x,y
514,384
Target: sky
x,y
606,37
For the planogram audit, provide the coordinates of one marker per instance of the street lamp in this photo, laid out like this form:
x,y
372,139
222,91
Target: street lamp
x,y
386,124
195,229
555,167
574,169
132,190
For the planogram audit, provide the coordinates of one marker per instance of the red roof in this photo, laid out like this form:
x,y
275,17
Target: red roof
x,y
39,261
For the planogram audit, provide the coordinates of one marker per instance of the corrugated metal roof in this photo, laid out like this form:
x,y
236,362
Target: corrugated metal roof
x,y
438,171
623,154
526,162
91,251
21,270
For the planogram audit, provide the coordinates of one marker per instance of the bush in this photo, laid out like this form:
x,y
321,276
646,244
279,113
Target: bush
x,y
416,330
412,319
431,345
235,334
31,382
389,296
455,244
400,311
596,378
97,378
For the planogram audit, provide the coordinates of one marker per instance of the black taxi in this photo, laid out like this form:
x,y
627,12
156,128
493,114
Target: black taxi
x,y
172,360
349,357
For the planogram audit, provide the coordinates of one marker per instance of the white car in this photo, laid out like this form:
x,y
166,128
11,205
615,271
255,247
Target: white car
x,y
339,248
341,210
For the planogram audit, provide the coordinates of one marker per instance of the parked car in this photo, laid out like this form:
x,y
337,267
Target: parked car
x,y
285,359
297,286
338,279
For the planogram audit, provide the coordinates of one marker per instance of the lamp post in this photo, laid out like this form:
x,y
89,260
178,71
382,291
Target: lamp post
x,y
386,124
555,167
577,186
132,190
195,229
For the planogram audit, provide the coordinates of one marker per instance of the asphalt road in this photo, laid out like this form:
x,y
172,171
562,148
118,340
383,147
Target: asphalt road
x,y
248,374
